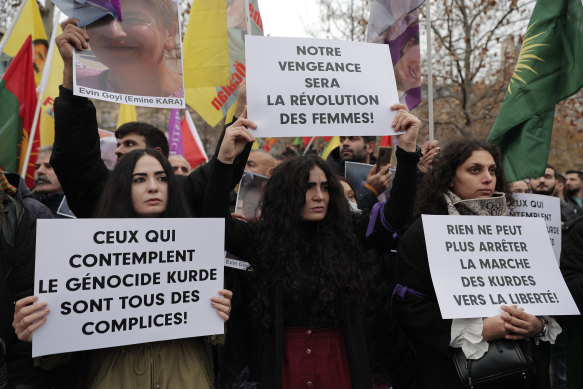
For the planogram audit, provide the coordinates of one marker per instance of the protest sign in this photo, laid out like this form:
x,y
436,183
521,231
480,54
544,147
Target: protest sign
x,y
396,23
547,208
307,87
235,262
356,173
65,210
113,282
137,61
479,263
251,188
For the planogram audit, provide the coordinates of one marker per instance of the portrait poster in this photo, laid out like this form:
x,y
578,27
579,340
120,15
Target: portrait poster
x,y
137,61
251,190
396,23
115,282
356,173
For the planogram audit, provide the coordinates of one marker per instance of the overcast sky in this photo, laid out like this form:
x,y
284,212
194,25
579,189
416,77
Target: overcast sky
x,y
288,18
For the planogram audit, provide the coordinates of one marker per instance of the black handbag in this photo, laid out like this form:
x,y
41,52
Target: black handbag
x,y
503,365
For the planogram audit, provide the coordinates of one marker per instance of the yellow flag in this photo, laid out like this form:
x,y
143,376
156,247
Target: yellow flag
x,y
29,23
213,103
127,113
334,142
47,118
205,46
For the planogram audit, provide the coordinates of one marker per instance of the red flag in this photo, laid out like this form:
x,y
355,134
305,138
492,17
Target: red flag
x,y
387,141
18,96
268,144
193,148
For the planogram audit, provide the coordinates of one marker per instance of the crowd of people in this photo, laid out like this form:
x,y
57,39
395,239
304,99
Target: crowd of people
x,y
338,293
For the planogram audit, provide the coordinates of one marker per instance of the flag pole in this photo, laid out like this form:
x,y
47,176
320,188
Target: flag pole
x,y
429,71
309,145
195,133
7,35
248,17
41,91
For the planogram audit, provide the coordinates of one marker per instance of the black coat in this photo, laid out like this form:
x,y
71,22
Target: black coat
x,y
16,281
263,350
76,159
36,209
572,270
429,334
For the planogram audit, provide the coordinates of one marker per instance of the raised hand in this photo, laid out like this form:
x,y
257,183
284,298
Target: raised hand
x,y
236,137
72,37
405,121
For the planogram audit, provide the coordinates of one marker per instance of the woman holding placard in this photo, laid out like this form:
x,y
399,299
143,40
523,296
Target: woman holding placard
x,y
468,179
141,185
311,285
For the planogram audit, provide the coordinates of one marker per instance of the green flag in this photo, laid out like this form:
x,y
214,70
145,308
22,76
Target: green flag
x,y
549,69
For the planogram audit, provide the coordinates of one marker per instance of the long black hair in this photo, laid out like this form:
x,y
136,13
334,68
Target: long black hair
x,y
116,198
321,261
437,181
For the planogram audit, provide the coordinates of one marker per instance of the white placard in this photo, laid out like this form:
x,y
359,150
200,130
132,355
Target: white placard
x,y
114,282
479,263
309,87
547,208
121,98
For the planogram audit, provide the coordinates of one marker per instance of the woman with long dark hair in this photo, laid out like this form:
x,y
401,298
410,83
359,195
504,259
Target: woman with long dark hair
x,y
468,179
141,185
310,279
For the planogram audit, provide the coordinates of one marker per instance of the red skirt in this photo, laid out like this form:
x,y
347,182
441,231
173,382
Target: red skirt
x,y
315,359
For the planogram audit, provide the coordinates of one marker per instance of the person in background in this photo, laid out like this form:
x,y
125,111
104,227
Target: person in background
x,y
360,149
348,191
180,165
260,162
520,186
574,187
16,282
47,188
560,187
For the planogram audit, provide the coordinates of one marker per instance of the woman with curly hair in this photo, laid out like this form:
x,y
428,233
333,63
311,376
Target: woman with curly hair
x,y
310,278
141,185
468,179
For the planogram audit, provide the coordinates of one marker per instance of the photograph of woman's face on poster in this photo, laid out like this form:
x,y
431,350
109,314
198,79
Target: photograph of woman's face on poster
x,y
396,23
408,66
138,56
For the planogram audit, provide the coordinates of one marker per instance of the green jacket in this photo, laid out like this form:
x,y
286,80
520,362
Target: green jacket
x,y
181,363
